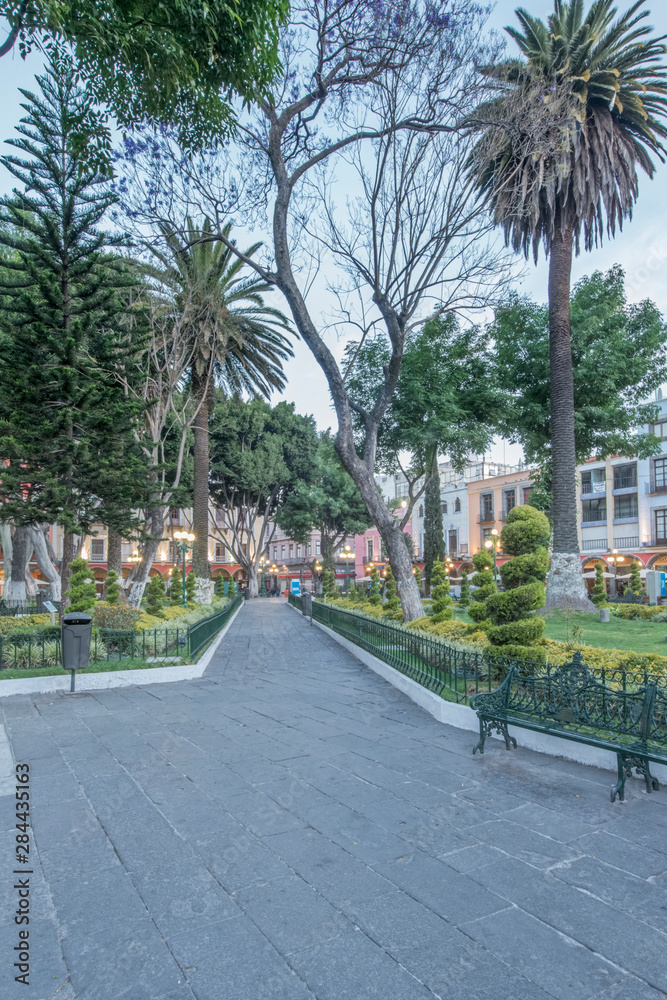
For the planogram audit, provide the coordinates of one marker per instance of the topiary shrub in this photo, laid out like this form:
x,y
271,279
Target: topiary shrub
x,y
392,603
464,599
82,591
156,595
599,592
635,585
483,578
477,611
220,585
329,588
112,587
374,598
442,610
524,536
190,587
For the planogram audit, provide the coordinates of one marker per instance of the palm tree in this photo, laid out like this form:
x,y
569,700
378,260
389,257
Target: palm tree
x,y
237,343
560,143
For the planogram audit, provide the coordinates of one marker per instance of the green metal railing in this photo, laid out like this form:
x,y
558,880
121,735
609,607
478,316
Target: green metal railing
x,y
454,674
33,650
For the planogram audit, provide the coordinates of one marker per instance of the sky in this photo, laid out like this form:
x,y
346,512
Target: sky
x,y
641,249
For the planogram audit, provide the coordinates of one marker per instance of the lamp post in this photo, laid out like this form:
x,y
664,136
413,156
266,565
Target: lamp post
x,y
347,554
185,540
273,569
494,543
262,591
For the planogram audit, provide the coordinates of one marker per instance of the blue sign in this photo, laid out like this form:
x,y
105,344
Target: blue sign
x,y
296,590
663,584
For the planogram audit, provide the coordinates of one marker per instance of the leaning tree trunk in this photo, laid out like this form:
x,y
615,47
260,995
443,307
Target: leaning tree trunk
x,y
114,557
7,549
200,514
566,587
156,519
69,553
15,589
44,560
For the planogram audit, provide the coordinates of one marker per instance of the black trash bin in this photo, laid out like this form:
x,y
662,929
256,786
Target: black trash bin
x,y
76,632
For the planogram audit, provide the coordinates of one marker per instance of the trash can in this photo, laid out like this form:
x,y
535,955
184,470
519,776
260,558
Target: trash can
x,y
76,631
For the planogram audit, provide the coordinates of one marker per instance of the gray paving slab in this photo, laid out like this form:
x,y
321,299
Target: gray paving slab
x,y
291,826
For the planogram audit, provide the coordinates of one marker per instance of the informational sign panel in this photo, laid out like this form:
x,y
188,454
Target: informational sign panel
x,y
656,585
296,589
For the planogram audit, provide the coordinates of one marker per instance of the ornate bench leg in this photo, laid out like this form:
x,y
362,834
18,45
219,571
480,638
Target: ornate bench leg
x,y
509,740
483,733
486,727
619,787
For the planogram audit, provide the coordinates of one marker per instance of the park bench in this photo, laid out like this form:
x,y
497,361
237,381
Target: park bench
x,y
570,702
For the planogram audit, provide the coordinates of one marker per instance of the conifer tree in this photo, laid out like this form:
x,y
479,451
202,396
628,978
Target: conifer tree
x,y
329,588
434,538
374,596
392,602
635,579
440,593
220,585
66,425
112,587
599,591
82,593
156,595
190,587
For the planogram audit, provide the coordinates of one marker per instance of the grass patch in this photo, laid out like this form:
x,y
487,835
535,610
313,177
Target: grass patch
x,y
103,667
636,636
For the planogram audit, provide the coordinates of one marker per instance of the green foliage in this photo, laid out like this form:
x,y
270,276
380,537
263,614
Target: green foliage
x,y
374,598
113,616
440,593
635,579
392,603
434,538
521,569
82,593
523,632
176,588
477,611
220,585
71,433
483,578
329,588
464,599
511,605
599,592
112,587
619,358
170,64
156,595
526,530
418,578
190,587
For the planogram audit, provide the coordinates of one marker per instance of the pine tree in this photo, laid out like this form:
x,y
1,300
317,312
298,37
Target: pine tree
x,y
635,579
220,585
440,593
112,587
82,593
392,603
599,592
66,425
329,588
434,539
464,599
156,596
374,596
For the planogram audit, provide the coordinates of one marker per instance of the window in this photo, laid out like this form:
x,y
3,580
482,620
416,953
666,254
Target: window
x,y
310,548
219,516
527,493
220,552
421,510
291,552
298,551
486,506
660,430
97,549
625,476
369,549
457,505
594,510
660,527
625,506
660,474
593,481
453,542
275,552
486,533
443,507
509,500
318,548
402,490
282,551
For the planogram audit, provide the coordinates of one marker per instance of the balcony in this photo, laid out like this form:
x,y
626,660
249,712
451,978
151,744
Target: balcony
x,y
658,485
629,542
658,538
486,517
594,545
594,516
625,482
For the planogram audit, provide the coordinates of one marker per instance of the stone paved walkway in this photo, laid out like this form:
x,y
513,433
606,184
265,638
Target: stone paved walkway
x,y
291,827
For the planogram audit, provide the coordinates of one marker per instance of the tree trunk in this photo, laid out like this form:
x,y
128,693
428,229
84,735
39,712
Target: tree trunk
x,y
15,590
434,538
44,561
114,558
200,515
566,587
156,518
69,550
253,580
7,549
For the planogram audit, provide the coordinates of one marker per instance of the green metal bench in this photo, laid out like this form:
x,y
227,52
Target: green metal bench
x,y
572,703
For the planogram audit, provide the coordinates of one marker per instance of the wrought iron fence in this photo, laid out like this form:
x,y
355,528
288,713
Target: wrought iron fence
x,y
454,674
13,608
23,650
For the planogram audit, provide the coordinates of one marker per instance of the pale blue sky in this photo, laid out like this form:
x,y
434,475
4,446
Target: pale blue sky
x,y
641,248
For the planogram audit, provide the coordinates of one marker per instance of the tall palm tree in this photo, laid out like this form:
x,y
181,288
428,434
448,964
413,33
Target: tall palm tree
x,y
561,140
238,343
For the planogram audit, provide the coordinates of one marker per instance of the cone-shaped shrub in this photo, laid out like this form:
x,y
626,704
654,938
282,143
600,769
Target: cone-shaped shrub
x,y
329,588
392,603
190,587
82,591
599,591
156,595
374,597
635,579
440,593
483,580
464,599
112,587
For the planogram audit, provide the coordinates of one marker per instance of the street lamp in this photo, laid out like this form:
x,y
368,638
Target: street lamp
x,y
494,543
347,554
262,591
273,569
185,540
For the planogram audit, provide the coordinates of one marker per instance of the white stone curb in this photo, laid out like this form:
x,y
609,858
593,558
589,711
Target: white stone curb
x,y
115,678
463,717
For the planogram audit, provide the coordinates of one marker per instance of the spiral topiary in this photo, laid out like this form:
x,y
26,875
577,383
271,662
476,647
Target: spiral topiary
x,y
442,612
464,599
484,582
374,596
599,591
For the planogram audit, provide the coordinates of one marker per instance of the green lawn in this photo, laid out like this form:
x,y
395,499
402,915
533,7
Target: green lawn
x,y
637,636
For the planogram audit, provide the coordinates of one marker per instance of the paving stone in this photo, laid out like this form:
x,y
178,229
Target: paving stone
x,y
519,842
185,894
